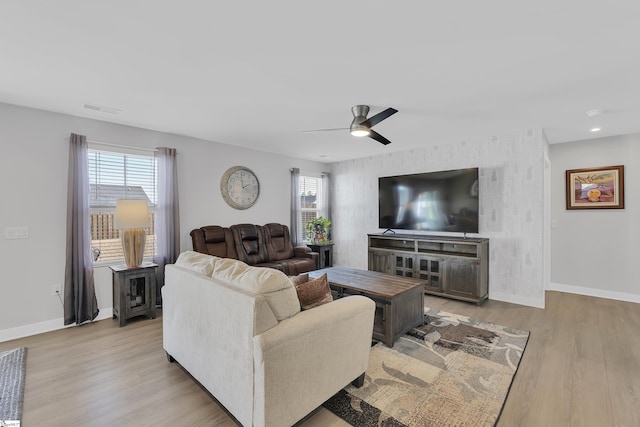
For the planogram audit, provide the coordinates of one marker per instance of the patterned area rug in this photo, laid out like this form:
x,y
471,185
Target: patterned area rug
x,y
12,373
452,371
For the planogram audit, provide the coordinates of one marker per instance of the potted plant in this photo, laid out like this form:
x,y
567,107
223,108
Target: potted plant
x,y
318,230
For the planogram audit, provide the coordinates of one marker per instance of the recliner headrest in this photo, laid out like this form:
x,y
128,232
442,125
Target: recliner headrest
x,y
213,234
276,230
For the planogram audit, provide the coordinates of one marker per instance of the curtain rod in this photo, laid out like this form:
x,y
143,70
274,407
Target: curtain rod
x,y
317,173
109,144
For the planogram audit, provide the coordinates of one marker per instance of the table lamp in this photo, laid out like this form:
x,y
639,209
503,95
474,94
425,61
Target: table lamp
x,y
131,218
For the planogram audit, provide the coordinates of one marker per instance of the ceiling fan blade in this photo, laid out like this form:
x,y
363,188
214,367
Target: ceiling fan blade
x,y
381,139
322,130
374,120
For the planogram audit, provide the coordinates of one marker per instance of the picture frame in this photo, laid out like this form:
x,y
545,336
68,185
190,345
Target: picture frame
x,y
595,188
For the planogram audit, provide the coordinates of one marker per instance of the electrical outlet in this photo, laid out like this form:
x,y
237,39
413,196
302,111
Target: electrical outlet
x,y
55,290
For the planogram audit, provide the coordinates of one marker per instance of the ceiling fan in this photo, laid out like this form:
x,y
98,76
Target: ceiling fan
x,y
361,126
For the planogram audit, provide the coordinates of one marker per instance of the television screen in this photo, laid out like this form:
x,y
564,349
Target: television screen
x,y
434,201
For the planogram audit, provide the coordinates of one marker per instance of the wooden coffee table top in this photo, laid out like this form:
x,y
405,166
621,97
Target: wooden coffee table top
x,y
370,282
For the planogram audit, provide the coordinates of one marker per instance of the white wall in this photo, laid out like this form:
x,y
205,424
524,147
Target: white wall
x,y
594,251
512,176
33,188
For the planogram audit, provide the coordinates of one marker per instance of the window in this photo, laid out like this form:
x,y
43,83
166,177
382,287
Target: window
x,y
114,176
310,202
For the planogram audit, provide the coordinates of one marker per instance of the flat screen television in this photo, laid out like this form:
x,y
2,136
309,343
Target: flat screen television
x,y
444,201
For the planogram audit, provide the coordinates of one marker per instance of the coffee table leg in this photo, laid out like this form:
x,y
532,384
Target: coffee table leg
x,y
389,314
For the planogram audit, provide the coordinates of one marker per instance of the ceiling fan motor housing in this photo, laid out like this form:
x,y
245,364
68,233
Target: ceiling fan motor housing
x,y
359,115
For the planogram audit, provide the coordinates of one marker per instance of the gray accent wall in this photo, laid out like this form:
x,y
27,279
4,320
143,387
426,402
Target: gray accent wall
x,y
513,171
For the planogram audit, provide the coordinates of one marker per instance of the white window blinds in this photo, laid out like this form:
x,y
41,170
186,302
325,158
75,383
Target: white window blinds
x,y
114,176
310,202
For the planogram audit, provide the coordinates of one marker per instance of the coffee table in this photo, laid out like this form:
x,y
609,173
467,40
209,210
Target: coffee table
x,y
399,300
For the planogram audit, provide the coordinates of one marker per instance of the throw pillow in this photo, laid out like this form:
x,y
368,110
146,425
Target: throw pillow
x,y
314,292
300,279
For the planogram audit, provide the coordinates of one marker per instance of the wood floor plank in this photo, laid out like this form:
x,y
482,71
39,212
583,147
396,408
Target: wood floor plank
x,y
620,324
580,368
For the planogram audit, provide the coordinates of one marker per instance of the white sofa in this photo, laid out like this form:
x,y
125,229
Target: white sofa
x,y
239,331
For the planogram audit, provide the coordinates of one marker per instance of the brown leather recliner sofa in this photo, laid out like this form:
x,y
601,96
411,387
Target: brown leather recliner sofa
x,y
261,246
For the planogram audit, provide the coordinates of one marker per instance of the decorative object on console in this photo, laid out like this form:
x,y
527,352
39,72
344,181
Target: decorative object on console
x,y
131,218
240,187
595,188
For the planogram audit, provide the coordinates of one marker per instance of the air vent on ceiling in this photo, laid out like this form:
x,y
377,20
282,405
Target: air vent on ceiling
x,y
102,109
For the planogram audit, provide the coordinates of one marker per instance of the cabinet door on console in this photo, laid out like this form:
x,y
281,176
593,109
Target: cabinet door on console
x,y
380,261
431,269
462,277
402,264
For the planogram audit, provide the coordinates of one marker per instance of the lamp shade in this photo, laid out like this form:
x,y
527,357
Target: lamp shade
x,y
131,214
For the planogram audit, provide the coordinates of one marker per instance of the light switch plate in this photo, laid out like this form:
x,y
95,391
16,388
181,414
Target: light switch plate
x,y
20,232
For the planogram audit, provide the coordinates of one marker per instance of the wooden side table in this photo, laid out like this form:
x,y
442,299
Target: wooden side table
x,y
134,291
326,254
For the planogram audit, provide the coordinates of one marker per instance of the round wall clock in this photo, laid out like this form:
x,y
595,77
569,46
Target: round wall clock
x,y
240,187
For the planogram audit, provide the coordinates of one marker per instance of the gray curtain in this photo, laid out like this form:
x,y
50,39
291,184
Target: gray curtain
x,y
326,198
80,303
167,216
295,207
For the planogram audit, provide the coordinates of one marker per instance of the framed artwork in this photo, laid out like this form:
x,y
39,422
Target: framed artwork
x,y
595,188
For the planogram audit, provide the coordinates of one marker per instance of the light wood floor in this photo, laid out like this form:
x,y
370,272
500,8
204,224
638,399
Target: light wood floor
x,y
581,368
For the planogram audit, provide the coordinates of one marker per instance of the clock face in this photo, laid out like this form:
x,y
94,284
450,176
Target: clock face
x,y
239,187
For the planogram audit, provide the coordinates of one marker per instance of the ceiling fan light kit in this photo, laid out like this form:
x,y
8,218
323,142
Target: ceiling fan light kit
x,y
359,131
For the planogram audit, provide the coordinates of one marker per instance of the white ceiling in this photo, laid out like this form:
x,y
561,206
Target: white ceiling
x,y
258,73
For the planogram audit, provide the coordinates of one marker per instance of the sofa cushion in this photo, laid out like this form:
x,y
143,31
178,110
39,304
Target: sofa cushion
x,y
249,242
195,261
314,292
272,284
278,242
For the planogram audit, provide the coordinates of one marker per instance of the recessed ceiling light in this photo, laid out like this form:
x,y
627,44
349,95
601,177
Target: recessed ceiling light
x,y
595,129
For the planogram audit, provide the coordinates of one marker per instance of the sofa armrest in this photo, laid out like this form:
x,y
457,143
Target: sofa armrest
x,y
302,252
197,240
306,252
309,357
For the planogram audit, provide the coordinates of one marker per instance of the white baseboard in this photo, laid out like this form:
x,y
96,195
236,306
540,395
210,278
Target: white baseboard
x,y
46,326
592,292
515,299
